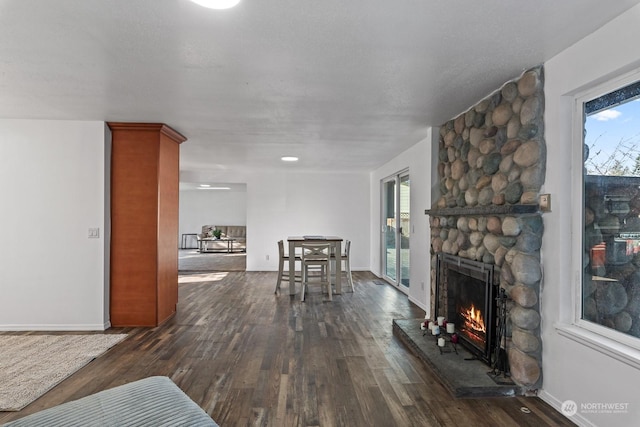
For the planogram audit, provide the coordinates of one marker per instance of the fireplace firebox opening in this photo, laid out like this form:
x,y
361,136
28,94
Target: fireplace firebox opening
x,y
466,295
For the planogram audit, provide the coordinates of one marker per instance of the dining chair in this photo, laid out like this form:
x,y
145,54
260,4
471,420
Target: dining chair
x,y
345,259
283,273
316,260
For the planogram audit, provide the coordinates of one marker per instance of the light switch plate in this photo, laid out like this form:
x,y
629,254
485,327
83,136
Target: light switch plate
x,y
545,202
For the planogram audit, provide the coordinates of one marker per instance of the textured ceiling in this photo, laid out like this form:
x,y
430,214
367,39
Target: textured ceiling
x,y
344,85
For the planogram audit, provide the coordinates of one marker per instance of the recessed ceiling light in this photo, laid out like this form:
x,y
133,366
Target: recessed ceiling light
x,y
213,188
217,4
289,159
204,185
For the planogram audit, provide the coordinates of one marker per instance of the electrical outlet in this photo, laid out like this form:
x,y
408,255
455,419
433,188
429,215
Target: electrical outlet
x,y
94,233
267,257
545,202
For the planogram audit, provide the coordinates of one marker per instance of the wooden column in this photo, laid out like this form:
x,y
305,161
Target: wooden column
x,y
145,174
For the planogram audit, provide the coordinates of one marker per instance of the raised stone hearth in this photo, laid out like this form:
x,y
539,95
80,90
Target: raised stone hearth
x,y
491,166
460,373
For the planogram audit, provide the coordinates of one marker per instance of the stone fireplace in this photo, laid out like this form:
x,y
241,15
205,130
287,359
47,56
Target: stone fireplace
x,y
491,166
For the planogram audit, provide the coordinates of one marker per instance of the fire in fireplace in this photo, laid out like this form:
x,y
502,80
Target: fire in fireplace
x,y
473,324
466,294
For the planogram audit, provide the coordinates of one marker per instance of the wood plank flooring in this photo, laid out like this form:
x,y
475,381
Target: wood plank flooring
x,y
252,358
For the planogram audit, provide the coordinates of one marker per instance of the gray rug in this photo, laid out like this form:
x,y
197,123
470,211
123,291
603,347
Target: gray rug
x,y
192,260
31,365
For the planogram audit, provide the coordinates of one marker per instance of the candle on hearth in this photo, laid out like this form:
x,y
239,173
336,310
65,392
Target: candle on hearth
x,y
440,320
451,328
454,338
422,326
435,330
440,342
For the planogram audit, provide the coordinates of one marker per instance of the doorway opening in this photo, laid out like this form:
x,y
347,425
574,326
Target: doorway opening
x,y
204,210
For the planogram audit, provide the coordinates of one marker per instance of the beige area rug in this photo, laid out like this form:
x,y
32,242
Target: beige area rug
x,y
31,365
192,260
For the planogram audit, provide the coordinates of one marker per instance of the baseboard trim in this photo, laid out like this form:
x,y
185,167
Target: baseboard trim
x,y
578,419
55,327
418,303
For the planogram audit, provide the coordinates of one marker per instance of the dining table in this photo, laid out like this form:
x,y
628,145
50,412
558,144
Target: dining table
x,y
336,248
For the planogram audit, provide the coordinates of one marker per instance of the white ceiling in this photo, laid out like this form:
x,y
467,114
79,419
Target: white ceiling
x,y
343,84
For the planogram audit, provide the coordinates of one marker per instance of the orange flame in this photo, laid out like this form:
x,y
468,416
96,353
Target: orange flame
x,y
473,319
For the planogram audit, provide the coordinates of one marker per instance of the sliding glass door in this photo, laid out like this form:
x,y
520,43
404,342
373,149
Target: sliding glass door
x,y
390,231
396,228
405,228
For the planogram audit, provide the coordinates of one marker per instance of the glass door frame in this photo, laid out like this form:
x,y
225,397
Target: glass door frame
x,y
400,280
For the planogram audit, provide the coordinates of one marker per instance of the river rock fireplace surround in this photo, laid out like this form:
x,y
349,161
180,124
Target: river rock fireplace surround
x,y
491,166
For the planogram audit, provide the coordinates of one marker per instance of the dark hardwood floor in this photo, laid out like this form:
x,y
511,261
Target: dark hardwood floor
x,y
249,357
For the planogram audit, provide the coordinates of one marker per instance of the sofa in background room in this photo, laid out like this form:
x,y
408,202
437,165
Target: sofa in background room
x,y
238,233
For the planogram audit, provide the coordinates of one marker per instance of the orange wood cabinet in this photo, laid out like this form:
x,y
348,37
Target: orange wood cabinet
x,y
145,175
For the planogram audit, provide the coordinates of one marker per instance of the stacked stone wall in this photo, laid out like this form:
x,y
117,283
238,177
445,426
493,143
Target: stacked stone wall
x,y
492,162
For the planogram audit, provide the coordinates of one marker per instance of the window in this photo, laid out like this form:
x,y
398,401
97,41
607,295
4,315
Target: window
x,y
610,292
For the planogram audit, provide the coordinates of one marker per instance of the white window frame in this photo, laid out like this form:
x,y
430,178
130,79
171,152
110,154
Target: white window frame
x,y
621,346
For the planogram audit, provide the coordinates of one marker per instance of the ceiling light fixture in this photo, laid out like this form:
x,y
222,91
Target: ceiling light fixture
x,y
213,188
289,159
217,4
204,185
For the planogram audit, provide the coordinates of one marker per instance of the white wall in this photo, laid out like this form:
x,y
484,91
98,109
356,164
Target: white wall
x,y
572,370
212,207
418,160
281,204
52,187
